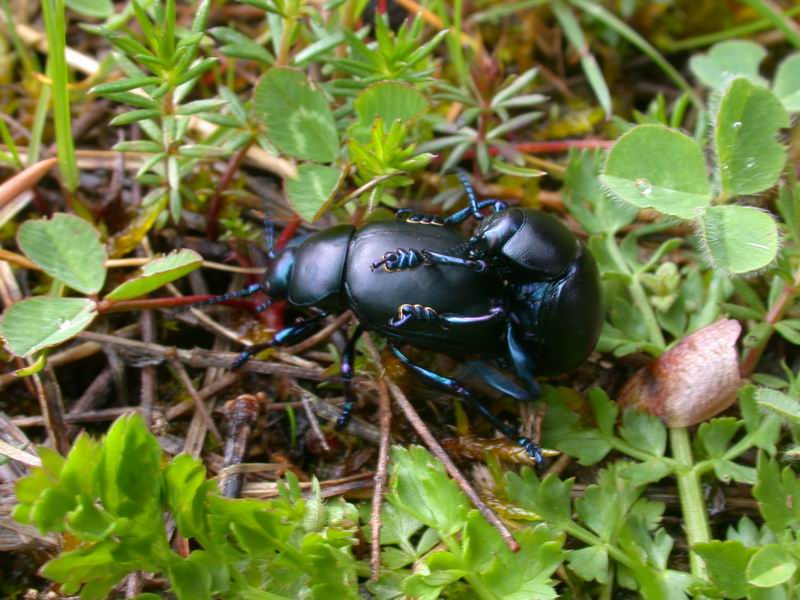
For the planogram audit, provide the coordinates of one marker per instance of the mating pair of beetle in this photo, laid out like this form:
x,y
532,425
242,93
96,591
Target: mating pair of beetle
x,y
522,292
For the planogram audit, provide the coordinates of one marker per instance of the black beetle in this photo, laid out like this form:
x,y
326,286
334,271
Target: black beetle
x,y
522,291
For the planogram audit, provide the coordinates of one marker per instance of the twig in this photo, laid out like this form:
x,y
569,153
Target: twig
x,y
93,395
89,416
147,392
52,408
422,430
199,404
312,420
77,352
385,422
322,334
241,413
27,459
211,389
205,358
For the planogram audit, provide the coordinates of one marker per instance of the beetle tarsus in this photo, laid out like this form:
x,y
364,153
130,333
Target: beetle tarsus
x,y
413,312
347,370
453,386
532,448
399,259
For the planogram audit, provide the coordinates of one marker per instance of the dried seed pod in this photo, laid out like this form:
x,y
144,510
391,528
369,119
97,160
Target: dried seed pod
x,y
691,382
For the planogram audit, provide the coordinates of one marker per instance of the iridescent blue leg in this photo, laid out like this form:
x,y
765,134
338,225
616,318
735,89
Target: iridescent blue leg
x,y
524,365
288,335
474,208
347,372
403,259
269,236
453,386
499,381
417,312
248,291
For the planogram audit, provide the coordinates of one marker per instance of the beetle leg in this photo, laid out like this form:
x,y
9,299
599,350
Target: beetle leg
x,y
409,215
474,208
453,386
400,259
347,372
523,362
288,335
437,258
418,312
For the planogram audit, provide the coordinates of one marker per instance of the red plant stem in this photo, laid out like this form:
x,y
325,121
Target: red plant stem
x,y
288,233
548,147
105,306
215,204
383,6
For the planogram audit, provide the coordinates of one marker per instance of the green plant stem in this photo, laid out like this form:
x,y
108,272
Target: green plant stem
x,y
637,293
286,43
693,507
611,21
54,18
768,10
709,39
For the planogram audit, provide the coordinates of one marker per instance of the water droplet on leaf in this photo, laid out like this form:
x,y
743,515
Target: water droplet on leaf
x,y
63,324
750,163
736,124
644,186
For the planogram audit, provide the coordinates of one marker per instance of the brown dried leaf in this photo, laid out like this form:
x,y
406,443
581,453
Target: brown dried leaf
x,y
691,382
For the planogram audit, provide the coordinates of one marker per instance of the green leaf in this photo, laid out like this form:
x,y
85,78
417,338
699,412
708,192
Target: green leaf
x,y
789,330
390,102
515,170
739,239
524,574
312,190
66,248
787,82
778,495
590,563
727,60
776,402
574,32
156,273
420,487
645,432
771,565
727,565
717,434
128,476
549,498
596,211
652,166
92,8
298,119
747,124
43,321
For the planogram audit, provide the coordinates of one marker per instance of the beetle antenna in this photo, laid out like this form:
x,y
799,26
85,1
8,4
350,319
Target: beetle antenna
x,y
269,235
243,293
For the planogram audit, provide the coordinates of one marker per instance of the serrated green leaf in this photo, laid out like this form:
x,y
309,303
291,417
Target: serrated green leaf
x,y
420,487
717,434
745,137
652,166
67,248
645,432
727,60
787,82
156,273
778,494
298,119
739,239
43,321
389,102
727,565
312,190
590,563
